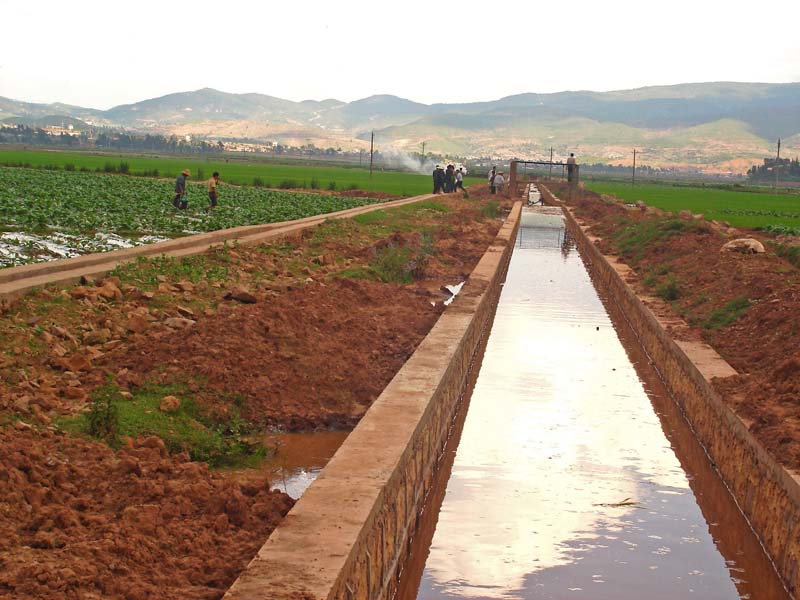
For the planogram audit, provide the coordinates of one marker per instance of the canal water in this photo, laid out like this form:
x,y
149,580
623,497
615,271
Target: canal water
x,y
572,473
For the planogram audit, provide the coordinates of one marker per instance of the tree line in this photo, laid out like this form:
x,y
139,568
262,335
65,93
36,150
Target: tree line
x,y
786,169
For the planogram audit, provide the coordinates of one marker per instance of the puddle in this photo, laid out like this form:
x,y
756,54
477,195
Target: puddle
x,y
299,458
575,476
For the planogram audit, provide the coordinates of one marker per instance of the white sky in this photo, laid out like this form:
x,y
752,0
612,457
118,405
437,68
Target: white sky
x,y
100,54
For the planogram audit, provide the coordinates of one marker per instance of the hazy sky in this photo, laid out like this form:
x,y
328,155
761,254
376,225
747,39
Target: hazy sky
x,y
100,54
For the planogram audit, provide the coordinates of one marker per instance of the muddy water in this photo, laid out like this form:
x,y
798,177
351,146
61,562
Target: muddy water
x,y
295,459
575,476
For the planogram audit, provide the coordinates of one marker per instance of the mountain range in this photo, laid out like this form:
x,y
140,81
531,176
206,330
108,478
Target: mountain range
x,y
716,127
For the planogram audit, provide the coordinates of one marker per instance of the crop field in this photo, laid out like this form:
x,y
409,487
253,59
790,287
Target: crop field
x,y
49,214
777,213
236,171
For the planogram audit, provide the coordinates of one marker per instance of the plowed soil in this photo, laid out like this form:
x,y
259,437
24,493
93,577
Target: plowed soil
x,y
299,334
762,343
313,356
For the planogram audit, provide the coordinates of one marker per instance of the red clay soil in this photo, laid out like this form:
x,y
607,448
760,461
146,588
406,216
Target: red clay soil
x,y
763,344
80,521
270,328
313,356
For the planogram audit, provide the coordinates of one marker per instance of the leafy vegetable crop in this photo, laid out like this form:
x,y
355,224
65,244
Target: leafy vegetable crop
x,y
54,203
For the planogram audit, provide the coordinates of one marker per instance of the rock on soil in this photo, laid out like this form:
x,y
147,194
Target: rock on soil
x,y
745,246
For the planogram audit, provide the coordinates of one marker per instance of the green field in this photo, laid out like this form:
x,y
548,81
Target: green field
x,y
740,209
46,214
231,171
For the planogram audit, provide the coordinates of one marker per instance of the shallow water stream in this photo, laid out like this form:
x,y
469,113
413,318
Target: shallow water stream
x,y
575,475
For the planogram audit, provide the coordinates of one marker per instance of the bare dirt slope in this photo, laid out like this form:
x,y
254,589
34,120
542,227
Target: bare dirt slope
x,y
299,334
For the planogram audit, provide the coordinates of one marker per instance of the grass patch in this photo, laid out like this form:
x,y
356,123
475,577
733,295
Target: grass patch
x,y
634,240
727,314
490,210
402,264
146,270
669,290
189,428
790,254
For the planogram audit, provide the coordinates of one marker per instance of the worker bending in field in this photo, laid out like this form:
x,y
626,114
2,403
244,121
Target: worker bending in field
x,y
180,200
212,191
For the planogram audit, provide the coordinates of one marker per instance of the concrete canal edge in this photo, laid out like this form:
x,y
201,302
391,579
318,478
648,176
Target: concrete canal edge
x,y
18,281
767,493
348,534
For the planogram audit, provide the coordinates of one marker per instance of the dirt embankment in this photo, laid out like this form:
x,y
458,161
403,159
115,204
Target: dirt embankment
x,y
746,306
302,333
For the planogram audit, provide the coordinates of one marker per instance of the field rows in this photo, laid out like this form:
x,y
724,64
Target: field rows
x,y
46,214
740,209
236,172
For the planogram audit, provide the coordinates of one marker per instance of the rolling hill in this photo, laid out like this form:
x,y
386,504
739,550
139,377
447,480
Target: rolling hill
x,y
712,126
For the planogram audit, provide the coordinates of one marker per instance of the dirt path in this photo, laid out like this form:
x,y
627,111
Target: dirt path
x,y
745,306
302,333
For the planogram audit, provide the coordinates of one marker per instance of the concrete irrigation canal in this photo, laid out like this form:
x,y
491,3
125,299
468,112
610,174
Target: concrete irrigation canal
x,y
534,447
573,477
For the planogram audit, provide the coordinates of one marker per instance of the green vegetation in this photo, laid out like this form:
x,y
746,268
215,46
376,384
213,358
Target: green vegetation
x,y
144,272
190,428
33,201
398,263
66,213
727,314
669,290
236,172
788,253
634,239
740,209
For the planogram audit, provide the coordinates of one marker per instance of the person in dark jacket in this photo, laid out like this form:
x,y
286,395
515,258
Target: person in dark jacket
x,y
438,179
450,179
180,200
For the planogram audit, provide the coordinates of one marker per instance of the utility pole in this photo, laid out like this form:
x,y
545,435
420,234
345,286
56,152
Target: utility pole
x,y
777,165
359,157
423,151
550,176
633,179
371,148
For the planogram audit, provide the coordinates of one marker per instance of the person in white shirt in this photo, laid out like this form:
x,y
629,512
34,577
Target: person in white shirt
x,y
459,179
571,167
498,182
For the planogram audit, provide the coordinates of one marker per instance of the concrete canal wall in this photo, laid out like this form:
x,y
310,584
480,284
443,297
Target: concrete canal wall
x,y
348,534
766,492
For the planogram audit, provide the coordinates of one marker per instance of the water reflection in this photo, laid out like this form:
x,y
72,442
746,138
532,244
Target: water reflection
x,y
564,484
300,457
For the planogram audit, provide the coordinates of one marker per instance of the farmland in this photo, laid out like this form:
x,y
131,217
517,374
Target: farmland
x,y
231,170
740,209
46,214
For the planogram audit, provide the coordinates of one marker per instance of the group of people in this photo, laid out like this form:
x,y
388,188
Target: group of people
x,y
447,180
181,201
496,181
